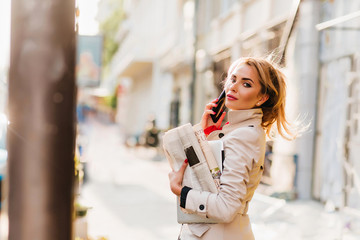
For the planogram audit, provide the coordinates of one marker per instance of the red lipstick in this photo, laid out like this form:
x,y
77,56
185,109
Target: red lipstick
x,y
230,97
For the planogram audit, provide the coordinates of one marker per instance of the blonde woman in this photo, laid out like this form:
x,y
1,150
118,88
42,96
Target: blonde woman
x,y
255,96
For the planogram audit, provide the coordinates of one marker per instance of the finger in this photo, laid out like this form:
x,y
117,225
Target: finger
x,y
183,166
206,115
206,120
218,123
208,112
210,105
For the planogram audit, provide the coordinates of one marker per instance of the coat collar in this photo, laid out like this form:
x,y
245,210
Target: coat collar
x,y
238,116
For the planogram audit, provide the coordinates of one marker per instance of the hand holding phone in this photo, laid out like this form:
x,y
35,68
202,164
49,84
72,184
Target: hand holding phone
x,y
219,109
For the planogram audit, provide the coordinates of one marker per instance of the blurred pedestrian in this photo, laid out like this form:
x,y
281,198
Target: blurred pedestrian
x,y
255,96
152,134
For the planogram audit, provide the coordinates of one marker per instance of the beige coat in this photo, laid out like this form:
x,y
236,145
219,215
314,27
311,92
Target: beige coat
x,y
244,144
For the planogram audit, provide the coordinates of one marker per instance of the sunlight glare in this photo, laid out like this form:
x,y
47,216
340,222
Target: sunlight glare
x,y
5,33
88,24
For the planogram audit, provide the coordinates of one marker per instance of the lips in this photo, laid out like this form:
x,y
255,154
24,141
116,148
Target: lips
x,y
231,97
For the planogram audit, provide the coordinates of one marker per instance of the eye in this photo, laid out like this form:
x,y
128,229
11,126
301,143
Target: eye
x,y
247,85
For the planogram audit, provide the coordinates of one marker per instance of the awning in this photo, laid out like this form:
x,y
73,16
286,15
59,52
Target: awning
x,y
338,20
130,66
135,67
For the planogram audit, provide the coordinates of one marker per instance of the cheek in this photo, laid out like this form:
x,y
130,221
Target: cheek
x,y
226,86
249,97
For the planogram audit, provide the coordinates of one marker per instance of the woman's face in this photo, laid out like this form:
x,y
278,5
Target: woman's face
x,y
243,88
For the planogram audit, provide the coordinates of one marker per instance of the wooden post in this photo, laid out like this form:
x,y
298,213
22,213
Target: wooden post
x,y
41,133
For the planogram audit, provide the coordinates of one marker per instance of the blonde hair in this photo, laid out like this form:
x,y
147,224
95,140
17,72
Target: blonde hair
x,y
273,84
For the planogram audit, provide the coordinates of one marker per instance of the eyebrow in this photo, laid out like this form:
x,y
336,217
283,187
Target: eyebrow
x,y
247,79
244,78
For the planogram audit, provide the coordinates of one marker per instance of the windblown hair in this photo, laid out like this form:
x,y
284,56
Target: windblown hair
x,y
273,84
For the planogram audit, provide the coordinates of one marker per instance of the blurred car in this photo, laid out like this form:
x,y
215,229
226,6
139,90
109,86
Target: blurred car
x,y
3,151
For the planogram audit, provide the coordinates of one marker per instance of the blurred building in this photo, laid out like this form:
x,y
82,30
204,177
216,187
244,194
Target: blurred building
x,y
337,161
174,54
154,61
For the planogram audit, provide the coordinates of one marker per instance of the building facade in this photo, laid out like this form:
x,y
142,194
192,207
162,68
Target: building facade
x,y
148,33
337,162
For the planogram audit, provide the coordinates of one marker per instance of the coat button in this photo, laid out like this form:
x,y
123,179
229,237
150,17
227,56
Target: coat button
x,y
221,135
201,207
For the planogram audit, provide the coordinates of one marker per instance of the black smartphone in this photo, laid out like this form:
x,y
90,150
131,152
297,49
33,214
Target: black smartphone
x,y
219,109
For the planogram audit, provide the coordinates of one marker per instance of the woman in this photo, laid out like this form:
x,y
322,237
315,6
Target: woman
x,y
255,95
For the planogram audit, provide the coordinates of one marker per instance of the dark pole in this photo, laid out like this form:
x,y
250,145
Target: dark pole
x,y
289,27
42,119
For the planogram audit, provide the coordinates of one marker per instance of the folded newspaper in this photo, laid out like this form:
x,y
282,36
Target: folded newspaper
x,y
189,142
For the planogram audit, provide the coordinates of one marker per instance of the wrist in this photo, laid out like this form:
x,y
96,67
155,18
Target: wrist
x,y
176,189
210,129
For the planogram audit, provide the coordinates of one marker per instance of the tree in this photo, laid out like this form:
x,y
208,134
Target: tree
x,y
109,28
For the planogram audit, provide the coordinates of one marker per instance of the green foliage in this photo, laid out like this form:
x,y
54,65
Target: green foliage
x,y
111,101
109,29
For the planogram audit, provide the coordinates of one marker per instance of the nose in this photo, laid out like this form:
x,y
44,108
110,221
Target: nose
x,y
232,86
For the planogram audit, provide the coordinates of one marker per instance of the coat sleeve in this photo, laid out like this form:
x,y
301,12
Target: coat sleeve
x,y
242,150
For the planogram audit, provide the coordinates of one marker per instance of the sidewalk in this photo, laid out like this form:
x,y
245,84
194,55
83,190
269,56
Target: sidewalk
x,y
274,218
127,191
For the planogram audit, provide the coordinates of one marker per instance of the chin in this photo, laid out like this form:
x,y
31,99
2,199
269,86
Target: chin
x,y
228,105
234,107
231,106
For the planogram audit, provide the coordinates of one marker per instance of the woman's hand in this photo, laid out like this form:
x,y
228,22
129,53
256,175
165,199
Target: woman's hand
x,y
206,120
176,179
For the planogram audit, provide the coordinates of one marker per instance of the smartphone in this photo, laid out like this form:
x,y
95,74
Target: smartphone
x,y
219,109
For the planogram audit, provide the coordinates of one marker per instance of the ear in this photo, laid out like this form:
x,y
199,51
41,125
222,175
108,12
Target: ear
x,y
263,99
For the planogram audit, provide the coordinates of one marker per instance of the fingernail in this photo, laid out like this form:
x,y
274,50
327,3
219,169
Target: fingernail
x,y
186,161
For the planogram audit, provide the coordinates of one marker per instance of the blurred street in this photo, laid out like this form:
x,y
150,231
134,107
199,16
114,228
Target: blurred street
x,y
128,193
